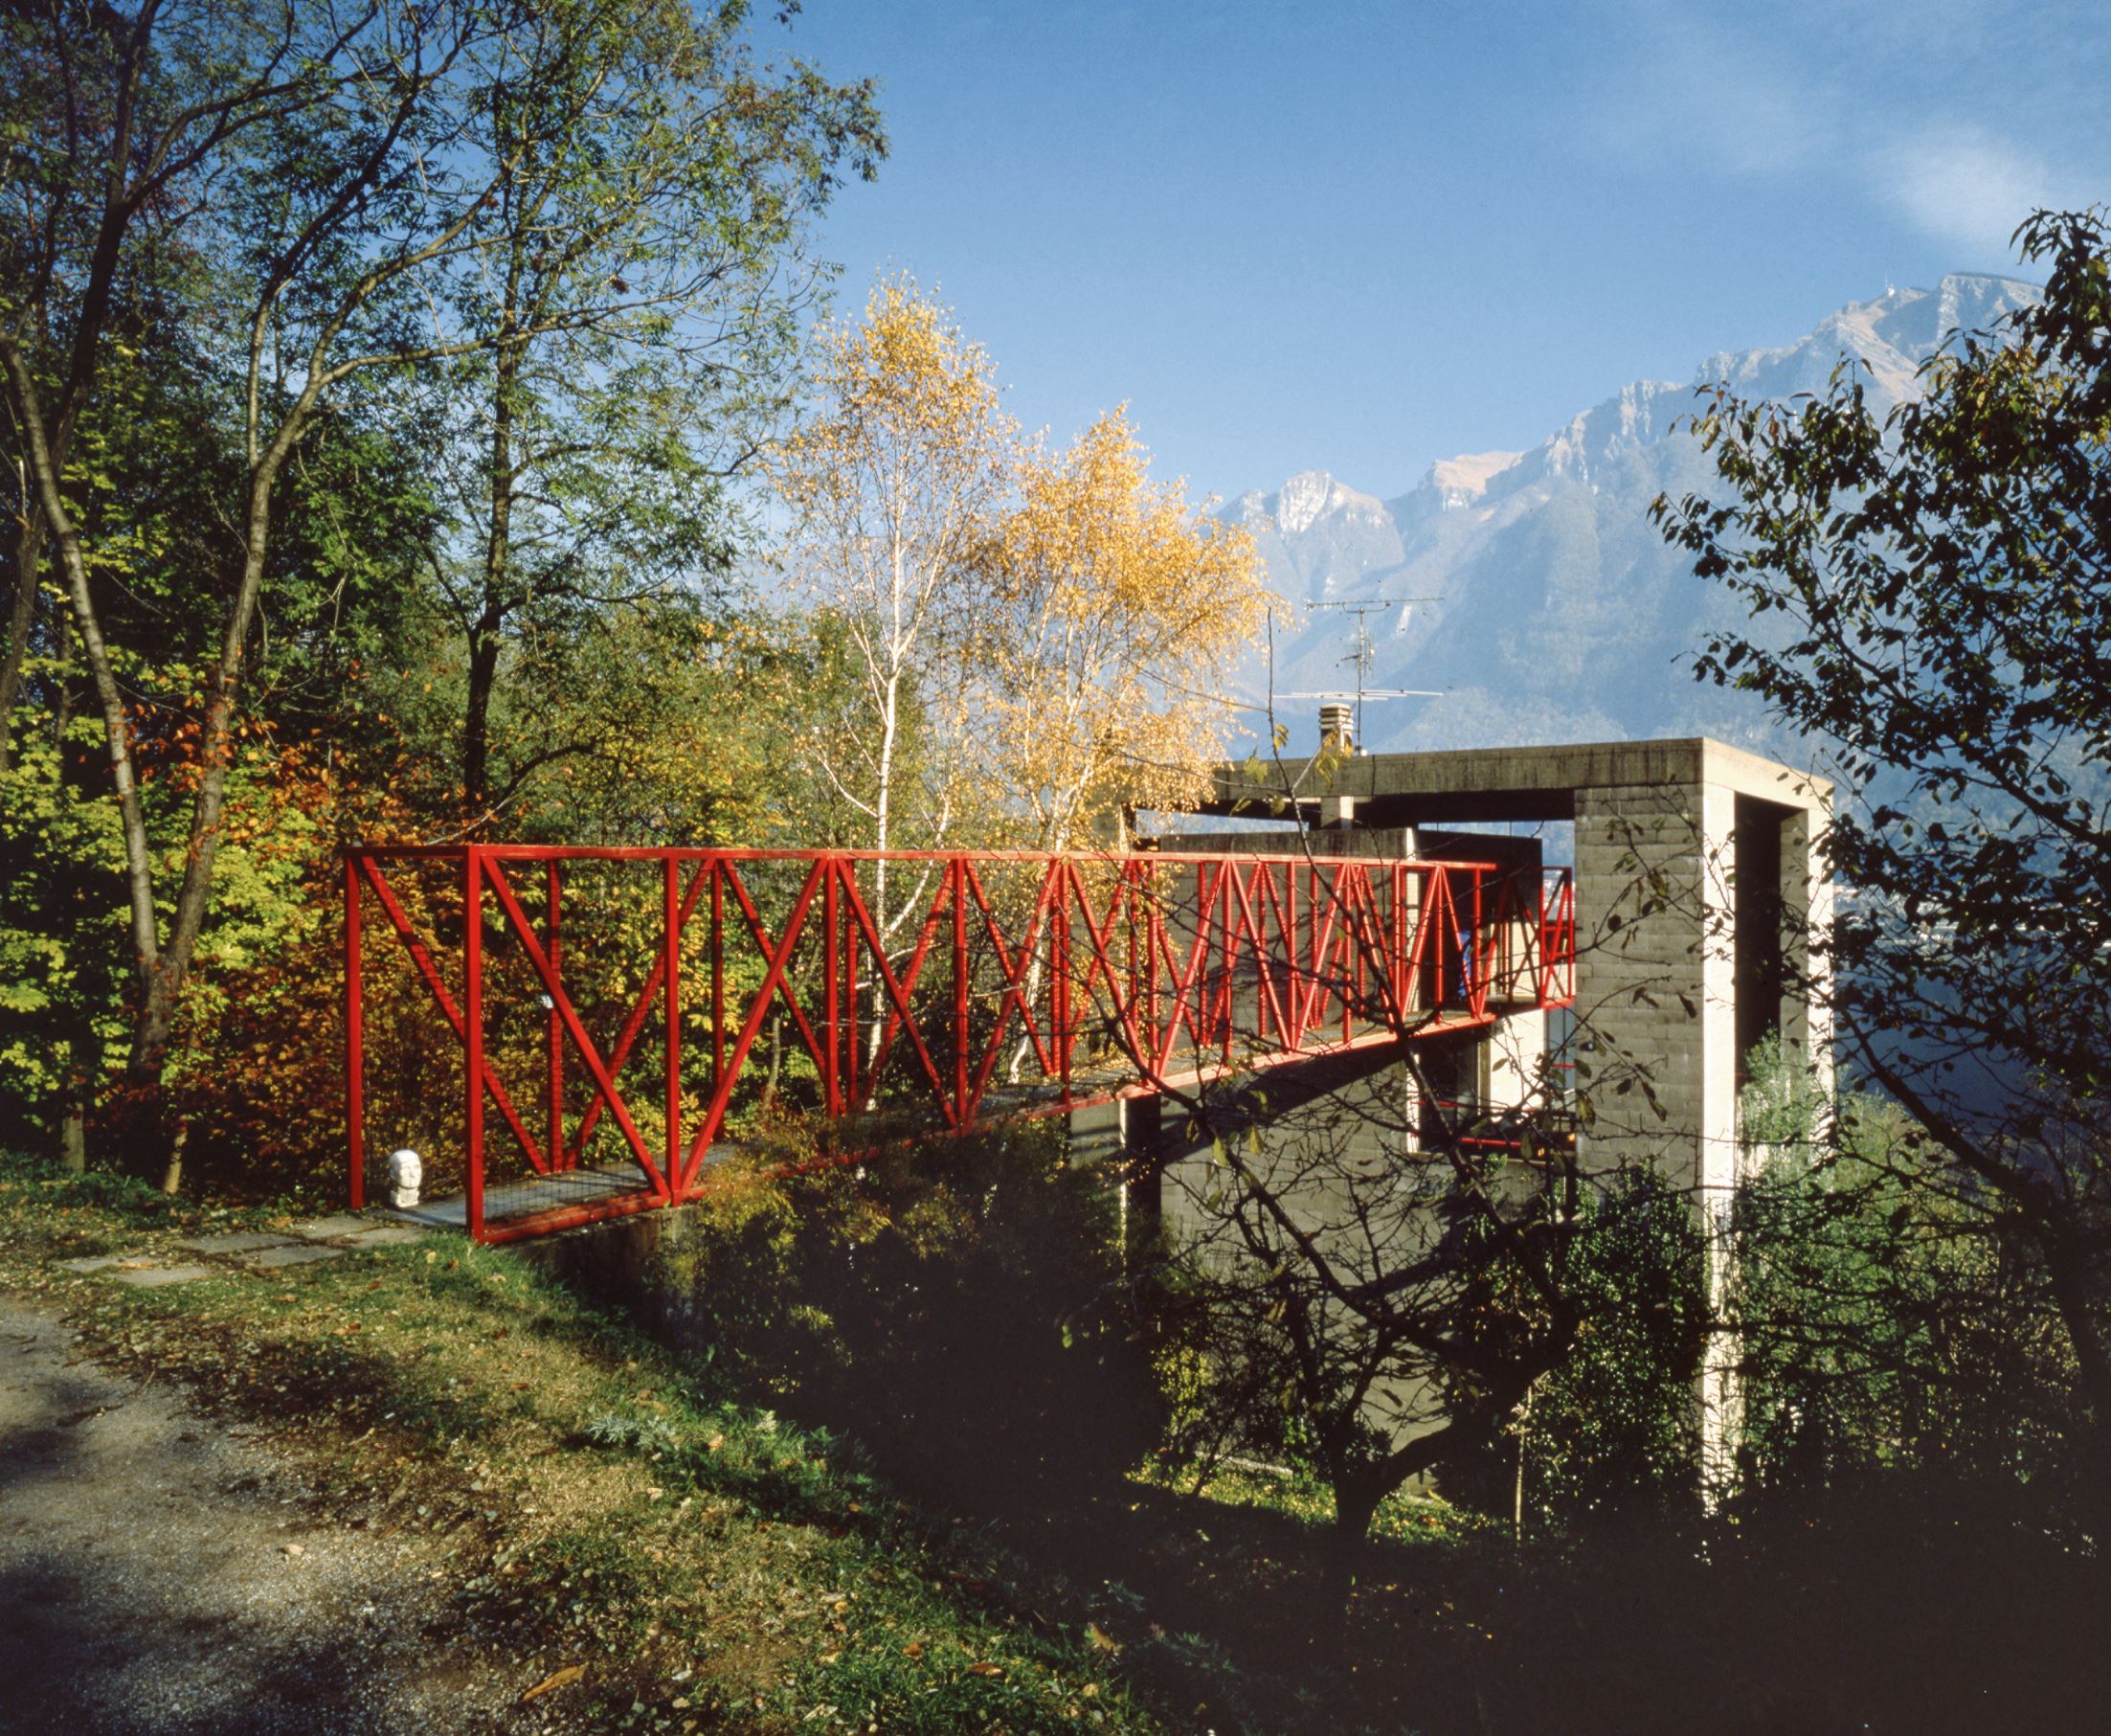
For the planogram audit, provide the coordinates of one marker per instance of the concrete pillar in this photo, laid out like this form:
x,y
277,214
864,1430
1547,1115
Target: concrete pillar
x,y
1657,1028
1658,989
1655,1044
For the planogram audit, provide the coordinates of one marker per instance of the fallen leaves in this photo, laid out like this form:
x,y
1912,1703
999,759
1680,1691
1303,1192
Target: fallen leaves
x,y
557,1679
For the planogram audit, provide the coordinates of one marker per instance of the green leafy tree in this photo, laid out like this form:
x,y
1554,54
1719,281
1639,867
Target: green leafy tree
x,y
638,305
152,469
1885,1322
1614,1430
352,181
1933,595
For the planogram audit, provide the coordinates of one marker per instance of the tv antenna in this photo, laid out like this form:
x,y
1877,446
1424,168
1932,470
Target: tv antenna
x,y
1365,654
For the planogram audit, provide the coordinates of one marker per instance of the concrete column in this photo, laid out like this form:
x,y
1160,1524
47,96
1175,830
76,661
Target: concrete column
x,y
1642,976
1337,811
1656,1010
1721,1152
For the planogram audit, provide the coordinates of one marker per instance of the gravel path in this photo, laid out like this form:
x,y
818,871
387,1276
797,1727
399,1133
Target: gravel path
x,y
160,1574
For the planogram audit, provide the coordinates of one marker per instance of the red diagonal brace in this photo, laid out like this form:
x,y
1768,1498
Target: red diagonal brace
x,y
423,960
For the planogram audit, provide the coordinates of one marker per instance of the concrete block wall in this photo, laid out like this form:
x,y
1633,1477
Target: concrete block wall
x,y
1656,1057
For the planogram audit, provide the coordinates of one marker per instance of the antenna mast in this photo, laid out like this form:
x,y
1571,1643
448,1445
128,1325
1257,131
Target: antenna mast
x,y
1365,652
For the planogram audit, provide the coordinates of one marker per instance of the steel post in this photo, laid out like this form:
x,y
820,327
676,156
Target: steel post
x,y
472,1034
355,1042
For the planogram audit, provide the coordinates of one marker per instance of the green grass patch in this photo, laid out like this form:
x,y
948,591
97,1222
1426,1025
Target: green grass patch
x,y
708,1562
1296,1493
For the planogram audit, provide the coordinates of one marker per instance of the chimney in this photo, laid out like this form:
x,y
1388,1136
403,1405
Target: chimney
x,y
1337,726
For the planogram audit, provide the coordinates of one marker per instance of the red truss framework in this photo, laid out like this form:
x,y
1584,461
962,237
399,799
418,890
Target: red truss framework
x,y
995,984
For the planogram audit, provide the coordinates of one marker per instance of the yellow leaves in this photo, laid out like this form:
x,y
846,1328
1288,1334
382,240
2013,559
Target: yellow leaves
x,y
1061,620
556,1679
1121,607
908,415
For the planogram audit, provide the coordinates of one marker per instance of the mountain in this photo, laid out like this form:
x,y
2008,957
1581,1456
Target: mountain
x,y
1561,613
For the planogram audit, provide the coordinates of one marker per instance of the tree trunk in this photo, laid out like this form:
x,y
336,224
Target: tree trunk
x,y
1356,1501
73,1126
25,555
881,813
498,569
171,1175
476,727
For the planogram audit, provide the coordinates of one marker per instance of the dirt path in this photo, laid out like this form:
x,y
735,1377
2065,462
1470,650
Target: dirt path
x,y
160,1574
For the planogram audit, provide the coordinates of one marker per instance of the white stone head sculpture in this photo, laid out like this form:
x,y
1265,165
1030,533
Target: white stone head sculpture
x,y
405,1173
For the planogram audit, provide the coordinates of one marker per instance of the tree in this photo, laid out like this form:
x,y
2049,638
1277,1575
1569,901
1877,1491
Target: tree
x,y
347,178
1884,1324
638,313
1931,595
154,471
893,487
1118,614
1380,1286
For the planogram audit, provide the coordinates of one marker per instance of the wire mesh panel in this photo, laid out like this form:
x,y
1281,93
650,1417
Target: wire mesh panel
x,y
571,1033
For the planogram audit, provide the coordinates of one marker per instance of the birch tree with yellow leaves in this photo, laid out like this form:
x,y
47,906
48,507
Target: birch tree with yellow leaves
x,y
1120,611
895,487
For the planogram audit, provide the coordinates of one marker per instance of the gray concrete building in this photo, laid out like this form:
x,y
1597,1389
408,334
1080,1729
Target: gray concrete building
x,y
1701,897
1699,885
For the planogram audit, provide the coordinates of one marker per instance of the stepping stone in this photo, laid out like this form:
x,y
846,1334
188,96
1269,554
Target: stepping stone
x,y
296,1253
153,1277
234,1241
386,1235
96,1262
328,1229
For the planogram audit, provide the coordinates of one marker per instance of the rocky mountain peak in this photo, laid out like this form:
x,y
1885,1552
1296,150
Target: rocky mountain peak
x,y
1562,615
1312,495
1891,335
1460,482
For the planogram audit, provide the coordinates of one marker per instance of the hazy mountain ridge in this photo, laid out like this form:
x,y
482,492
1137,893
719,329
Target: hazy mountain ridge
x,y
1562,614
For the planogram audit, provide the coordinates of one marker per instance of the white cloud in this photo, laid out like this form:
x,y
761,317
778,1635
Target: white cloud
x,y
1963,185
1861,98
1713,92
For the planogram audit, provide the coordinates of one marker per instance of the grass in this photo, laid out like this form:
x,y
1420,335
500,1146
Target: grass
x,y
703,1563
1295,1493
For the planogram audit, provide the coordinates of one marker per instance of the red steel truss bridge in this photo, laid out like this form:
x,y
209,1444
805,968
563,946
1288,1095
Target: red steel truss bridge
x,y
569,1034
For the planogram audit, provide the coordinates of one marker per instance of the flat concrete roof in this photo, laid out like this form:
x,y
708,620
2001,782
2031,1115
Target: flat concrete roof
x,y
1508,783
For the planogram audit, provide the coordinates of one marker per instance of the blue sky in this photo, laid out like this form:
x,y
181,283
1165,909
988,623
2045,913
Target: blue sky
x,y
1360,237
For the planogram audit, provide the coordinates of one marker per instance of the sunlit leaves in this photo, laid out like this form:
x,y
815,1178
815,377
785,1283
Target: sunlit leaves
x,y
1118,617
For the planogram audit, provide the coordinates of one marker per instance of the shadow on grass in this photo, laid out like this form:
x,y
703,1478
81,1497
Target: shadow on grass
x,y
961,1321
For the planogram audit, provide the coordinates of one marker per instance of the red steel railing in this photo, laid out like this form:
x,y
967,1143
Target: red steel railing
x,y
993,985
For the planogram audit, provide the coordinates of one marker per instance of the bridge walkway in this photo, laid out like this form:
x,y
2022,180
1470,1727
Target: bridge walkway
x,y
571,1033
